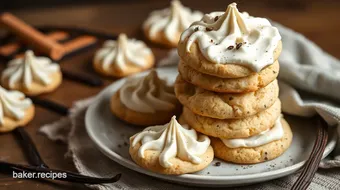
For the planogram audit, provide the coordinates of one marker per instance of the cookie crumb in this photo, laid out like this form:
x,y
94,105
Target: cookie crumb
x,y
239,45
230,47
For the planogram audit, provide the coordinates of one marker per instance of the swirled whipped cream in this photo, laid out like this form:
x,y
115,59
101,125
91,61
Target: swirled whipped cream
x,y
13,105
122,53
171,21
28,70
270,135
148,94
172,140
234,38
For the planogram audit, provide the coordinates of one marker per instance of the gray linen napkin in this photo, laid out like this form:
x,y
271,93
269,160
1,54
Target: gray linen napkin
x,y
309,83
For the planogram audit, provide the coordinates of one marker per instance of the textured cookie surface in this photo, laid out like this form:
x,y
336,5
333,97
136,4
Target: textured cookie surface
x,y
10,124
250,83
256,154
196,60
129,69
138,118
37,88
225,105
160,38
233,128
151,162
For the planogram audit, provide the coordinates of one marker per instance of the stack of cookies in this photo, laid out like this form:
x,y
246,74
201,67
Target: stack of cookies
x,y
227,85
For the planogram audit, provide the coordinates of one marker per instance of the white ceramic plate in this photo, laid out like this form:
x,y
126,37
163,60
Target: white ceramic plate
x,y
112,135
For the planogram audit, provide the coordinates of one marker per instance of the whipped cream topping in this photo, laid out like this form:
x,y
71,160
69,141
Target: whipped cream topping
x,y
30,69
13,105
148,94
171,20
172,140
270,135
122,53
234,38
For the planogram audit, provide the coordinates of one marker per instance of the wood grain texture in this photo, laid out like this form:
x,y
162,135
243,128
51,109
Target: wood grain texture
x,y
317,20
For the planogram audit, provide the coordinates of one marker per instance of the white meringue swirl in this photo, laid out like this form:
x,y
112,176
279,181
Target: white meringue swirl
x,y
171,20
29,69
234,38
148,94
270,135
13,105
121,53
172,140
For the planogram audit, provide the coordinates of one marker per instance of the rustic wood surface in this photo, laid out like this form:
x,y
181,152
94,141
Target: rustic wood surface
x,y
319,21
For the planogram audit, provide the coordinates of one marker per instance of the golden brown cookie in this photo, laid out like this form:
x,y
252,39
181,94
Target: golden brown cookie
x,y
123,57
233,128
160,38
250,83
10,123
197,61
129,69
36,88
151,162
225,105
138,118
254,155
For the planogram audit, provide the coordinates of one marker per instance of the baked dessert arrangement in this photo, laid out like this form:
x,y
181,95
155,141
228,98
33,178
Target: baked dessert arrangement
x,y
145,101
31,75
171,149
15,110
123,57
227,85
165,26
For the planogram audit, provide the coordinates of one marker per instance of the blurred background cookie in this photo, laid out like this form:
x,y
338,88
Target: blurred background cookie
x,y
123,57
166,26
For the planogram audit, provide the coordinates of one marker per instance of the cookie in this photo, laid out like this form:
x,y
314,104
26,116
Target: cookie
x,y
225,105
171,149
151,162
233,128
32,75
250,83
10,124
36,88
138,118
165,26
16,110
254,155
123,57
197,61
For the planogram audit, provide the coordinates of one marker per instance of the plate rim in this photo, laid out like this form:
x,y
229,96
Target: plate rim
x,y
188,178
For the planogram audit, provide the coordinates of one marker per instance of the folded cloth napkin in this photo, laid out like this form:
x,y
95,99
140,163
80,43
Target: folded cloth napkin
x,y
309,83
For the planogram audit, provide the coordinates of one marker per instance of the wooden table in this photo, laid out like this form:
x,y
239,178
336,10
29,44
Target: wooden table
x,y
319,21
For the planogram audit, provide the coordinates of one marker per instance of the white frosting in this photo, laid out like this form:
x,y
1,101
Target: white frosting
x,y
121,53
148,94
30,69
13,105
171,20
172,140
219,30
270,135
